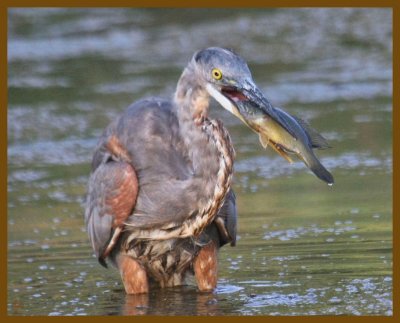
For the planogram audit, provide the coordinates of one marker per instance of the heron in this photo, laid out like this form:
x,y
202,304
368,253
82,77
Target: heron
x,y
160,203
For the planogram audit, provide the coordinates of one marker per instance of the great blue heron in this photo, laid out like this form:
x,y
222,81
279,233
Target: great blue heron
x,y
160,202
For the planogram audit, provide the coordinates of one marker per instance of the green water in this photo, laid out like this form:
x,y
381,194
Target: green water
x,y
304,248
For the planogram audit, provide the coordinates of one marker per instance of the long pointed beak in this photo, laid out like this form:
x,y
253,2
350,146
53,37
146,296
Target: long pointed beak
x,y
248,103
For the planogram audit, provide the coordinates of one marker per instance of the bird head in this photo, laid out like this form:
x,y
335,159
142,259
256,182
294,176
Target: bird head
x,y
227,78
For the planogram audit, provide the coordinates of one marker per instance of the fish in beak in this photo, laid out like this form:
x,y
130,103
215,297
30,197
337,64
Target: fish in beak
x,y
286,134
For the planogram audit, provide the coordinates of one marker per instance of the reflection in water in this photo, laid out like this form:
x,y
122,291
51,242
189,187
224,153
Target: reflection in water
x,y
179,301
135,304
171,302
303,249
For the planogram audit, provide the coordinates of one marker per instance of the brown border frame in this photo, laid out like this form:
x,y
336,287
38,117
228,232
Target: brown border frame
x,y
395,5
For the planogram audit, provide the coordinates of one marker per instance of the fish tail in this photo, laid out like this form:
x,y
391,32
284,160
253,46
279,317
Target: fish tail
x,y
318,169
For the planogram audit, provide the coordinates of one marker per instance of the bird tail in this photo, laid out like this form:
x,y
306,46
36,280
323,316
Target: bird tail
x,y
318,169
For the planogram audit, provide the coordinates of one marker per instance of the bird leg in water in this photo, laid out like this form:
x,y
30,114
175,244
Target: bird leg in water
x,y
133,275
206,266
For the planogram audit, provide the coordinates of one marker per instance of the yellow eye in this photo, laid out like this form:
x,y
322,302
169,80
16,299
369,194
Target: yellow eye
x,y
216,73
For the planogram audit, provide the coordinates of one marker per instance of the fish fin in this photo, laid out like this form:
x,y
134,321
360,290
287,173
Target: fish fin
x,y
316,139
264,140
281,152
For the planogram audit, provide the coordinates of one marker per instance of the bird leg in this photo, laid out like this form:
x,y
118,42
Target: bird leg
x,y
206,266
133,275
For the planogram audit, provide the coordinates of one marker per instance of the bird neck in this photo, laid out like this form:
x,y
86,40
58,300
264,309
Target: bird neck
x,y
191,98
191,104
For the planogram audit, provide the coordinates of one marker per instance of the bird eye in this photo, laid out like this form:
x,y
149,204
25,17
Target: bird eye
x,y
216,73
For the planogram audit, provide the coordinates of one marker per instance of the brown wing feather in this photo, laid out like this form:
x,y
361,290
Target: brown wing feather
x,y
120,197
113,189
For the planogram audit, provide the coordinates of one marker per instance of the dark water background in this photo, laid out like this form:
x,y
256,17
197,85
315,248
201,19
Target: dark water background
x,y
304,247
